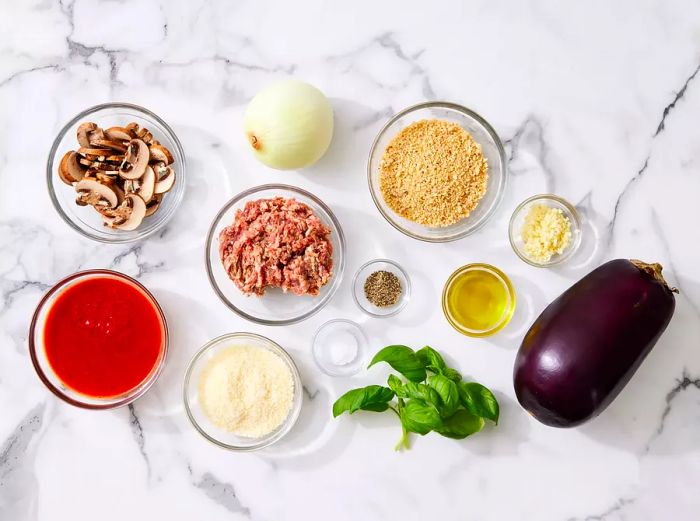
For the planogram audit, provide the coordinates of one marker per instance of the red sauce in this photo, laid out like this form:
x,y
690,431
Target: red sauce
x,y
103,336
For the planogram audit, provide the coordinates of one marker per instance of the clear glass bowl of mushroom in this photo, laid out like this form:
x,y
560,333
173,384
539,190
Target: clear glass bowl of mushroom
x,y
125,167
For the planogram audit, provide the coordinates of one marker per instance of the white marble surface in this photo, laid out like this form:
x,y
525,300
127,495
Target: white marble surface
x,y
597,101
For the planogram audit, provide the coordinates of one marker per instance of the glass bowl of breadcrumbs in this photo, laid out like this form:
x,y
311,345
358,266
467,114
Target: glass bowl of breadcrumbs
x,y
437,171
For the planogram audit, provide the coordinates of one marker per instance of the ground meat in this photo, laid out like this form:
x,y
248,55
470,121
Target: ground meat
x,y
277,243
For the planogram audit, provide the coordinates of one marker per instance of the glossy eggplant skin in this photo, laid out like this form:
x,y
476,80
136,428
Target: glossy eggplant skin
x,y
586,345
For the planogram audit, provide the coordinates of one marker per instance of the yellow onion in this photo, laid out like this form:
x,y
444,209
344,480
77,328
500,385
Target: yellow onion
x,y
289,125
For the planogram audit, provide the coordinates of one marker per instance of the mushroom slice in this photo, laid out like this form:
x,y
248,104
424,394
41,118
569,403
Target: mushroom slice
x,y
94,193
119,134
84,131
147,185
161,153
93,152
165,177
133,128
153,205
69,169
145,135
128,215
109,144
135,160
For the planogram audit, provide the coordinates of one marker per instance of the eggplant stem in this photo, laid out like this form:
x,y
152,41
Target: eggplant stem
x,y
654,270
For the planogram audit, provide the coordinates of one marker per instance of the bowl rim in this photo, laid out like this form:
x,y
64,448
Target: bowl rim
x,y
288,423
127,399
117,239
577,228
487,127
509,288
404,299
314,343
338,270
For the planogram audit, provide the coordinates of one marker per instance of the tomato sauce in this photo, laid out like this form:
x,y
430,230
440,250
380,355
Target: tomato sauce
x,y
103,336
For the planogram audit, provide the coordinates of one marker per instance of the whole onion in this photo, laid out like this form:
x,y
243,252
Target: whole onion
x,y
289,125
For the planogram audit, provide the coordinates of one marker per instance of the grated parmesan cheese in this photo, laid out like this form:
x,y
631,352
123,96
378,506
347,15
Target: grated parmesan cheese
x,y
546,232
246,390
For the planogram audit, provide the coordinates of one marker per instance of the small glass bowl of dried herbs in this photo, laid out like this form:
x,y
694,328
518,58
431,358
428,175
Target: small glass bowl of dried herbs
x,y
381,288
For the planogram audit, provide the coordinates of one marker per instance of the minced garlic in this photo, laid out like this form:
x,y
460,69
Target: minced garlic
x,y
246,390
546,232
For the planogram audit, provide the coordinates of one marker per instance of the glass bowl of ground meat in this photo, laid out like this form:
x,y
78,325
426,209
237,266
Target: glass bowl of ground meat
x,y
437,171
275,254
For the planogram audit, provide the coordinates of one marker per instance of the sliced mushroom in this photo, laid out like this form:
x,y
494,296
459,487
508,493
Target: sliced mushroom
x,y
90,152
106,179
135,160
112,168
153,205
96,194
165,177
120,194
145,135
119,134
109,144
160,153
96,135
132,127
84,131
147,185
128,215
131,186
69,170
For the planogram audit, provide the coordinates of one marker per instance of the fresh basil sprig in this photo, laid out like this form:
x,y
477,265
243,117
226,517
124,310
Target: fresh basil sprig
x,y
438,402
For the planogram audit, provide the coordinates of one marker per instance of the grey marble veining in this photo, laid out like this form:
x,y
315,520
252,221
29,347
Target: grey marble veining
x,y
597,102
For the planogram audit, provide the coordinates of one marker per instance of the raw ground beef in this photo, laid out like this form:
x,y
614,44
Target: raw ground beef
x,y
277,243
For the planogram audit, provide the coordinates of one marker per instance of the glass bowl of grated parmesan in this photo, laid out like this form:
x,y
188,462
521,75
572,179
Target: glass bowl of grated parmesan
x,y
242,392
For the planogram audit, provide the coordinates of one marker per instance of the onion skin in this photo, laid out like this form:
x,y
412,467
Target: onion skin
x,y
587,344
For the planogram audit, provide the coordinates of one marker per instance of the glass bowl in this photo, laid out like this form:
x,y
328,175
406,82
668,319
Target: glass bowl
x,y
275,307
85,220
358,287
199,419
483,134
340,347
518,219
41,363
509,301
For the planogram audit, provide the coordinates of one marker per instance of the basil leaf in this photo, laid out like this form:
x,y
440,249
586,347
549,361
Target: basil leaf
x,y
422,392
374,398
420,418
403,360
452,374
460,425
396,385
479,400
448,391
431,359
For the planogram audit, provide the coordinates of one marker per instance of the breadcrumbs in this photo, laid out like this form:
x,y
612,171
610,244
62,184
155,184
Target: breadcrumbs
x,y
546,232
433,173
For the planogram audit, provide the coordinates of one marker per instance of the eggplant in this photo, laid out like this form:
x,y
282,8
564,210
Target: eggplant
x,y
587,344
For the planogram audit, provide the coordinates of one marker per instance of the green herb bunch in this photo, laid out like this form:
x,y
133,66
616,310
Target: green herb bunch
x,y
433,397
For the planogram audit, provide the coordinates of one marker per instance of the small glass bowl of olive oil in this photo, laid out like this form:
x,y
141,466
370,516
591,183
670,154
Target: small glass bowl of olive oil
x,y
478,300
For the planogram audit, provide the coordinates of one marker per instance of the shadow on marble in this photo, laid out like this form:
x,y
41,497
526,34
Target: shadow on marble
x,y
592,251
355,127
190,326
651,414
530,301
504,439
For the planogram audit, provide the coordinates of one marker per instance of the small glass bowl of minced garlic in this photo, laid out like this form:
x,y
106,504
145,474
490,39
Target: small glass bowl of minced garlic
x,y
545,230
381,288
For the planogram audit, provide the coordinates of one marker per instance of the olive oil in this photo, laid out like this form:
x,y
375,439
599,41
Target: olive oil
x,y
478,300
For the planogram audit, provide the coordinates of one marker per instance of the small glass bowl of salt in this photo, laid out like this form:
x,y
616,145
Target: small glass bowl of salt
x,y
340,347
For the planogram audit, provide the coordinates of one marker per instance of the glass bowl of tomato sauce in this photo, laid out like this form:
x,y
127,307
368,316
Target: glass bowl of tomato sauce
x,y
98,339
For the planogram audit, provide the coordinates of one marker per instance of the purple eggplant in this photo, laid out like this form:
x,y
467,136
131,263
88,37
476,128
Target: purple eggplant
x,y
586,345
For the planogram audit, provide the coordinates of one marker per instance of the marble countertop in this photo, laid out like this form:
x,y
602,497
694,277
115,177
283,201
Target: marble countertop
x,y
597,102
